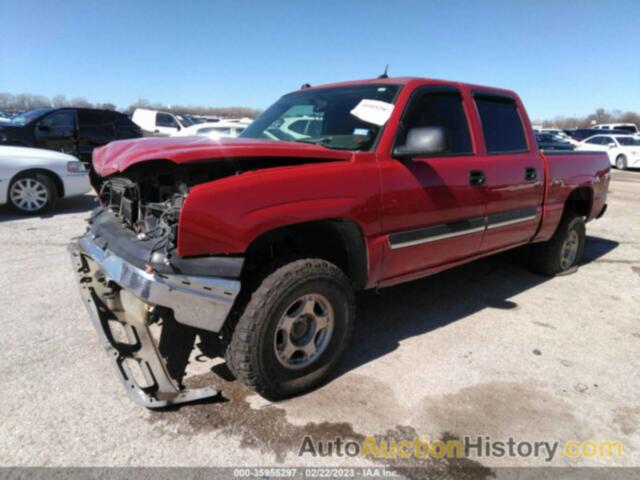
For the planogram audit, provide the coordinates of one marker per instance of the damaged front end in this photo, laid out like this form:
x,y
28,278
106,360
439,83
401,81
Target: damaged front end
x,y
133,282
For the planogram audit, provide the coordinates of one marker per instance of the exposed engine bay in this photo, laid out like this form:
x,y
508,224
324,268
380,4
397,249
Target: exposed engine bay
x,y
148,199
155,220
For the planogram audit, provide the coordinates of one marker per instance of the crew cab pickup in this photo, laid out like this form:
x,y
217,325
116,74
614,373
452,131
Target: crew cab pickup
x,y
257,244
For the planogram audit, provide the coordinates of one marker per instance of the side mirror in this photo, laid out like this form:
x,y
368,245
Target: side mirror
x,y
612,145
43,128
423,141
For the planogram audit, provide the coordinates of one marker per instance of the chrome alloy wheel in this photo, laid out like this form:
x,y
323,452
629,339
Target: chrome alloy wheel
x,y
304,331
29,194
569,250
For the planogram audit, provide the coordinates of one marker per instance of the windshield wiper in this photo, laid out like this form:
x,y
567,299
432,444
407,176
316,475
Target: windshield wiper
x,y
323,141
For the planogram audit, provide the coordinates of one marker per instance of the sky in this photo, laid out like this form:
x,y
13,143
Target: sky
x,y
563,57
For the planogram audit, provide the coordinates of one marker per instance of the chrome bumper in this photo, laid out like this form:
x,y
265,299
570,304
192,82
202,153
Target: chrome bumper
x,y
118,294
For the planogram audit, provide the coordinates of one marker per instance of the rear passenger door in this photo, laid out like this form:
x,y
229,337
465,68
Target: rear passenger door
x,y
94,130
514,171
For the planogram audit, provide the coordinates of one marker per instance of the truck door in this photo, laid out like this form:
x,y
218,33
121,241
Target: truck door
x,y
433,207
57,131
514,171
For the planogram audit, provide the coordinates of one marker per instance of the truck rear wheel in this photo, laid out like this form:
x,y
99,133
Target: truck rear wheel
x,y
563,251
293,330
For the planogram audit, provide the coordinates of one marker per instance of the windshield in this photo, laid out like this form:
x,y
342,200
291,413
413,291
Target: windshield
x,y
628,141
28,117
325,117
185,120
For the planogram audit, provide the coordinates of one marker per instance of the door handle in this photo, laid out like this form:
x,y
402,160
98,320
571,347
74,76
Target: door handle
x,y
530,174
476,178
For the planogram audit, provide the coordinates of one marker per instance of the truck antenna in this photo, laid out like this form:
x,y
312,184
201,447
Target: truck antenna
x,y
384,74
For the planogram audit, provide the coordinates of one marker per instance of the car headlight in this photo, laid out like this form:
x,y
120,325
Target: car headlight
x,y
75,167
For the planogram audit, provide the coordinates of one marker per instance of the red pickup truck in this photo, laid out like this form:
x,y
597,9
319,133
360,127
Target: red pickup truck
x,y
260,242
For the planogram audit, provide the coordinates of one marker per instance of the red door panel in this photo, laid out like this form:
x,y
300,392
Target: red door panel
x,y
514,198
431,212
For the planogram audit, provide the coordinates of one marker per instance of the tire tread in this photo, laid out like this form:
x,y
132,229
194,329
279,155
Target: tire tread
x,y
240,354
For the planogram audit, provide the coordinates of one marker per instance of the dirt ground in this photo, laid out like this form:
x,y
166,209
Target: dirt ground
x,y
486,349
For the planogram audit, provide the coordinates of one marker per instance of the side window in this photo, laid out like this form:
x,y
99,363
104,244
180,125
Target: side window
x,y
90,118
166,120
299,126
594,141
440,110
501,125
64,118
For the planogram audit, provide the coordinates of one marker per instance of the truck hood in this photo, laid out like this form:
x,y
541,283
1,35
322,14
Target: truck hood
x,y
120,155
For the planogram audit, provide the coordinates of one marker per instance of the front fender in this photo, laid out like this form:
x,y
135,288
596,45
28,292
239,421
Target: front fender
x,y
225,216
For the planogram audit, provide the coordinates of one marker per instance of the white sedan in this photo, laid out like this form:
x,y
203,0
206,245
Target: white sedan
x,y
31,179
623,150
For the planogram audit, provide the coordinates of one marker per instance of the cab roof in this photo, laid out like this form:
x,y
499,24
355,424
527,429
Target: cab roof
x,y
412,81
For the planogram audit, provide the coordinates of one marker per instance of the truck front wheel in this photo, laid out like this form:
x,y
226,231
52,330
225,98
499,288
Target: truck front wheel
x,y
293,330
563,251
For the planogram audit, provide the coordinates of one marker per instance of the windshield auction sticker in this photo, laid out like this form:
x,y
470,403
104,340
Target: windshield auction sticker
x,y
373,111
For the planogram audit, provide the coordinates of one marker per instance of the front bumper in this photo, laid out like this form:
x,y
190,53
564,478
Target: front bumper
x,y
119,296
76,184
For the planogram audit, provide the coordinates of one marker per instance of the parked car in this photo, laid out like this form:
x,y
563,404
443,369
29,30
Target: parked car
x,y
623,151
580,134
76,131
257,245
9,114
32,180
162,124
560,134
213,130
626,127
547,141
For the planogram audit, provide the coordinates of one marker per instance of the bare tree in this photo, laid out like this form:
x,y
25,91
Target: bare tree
x,y
599,116
59,101
28,101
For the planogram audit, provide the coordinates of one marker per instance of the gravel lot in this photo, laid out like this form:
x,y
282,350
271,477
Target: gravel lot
x,y
485,349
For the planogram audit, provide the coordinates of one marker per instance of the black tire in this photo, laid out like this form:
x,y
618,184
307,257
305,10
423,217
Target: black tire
x,y
547,258
38,178
621,162
251,355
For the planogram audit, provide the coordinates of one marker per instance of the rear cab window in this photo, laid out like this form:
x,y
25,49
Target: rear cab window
x,y
501,124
